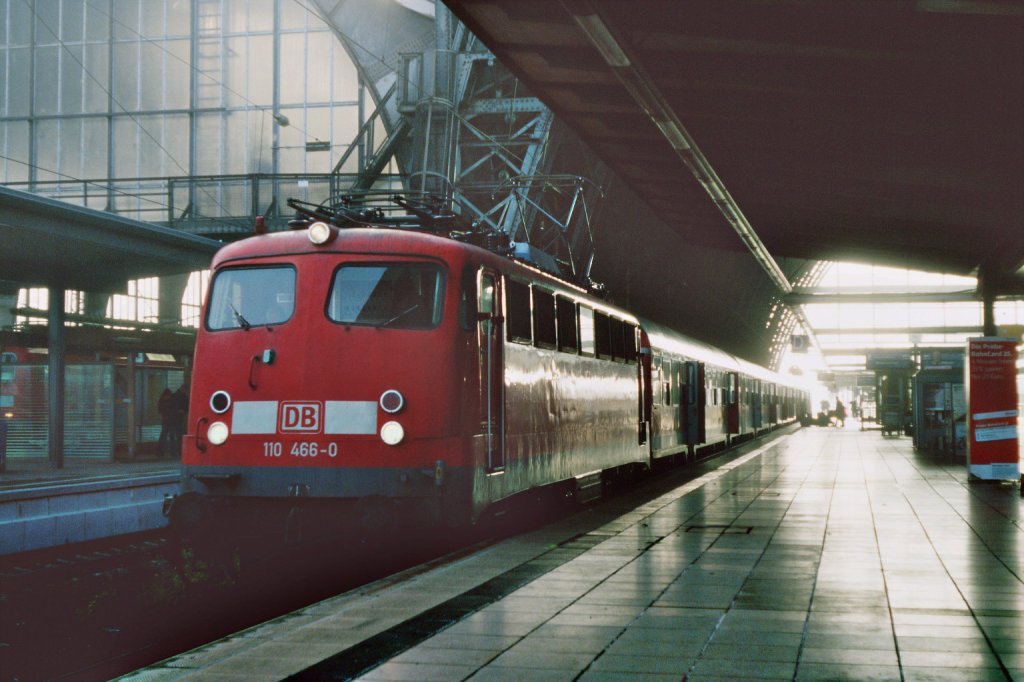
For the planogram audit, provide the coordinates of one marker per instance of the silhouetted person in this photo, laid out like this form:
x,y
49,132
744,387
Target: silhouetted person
x,y
165,406
179,414
840,413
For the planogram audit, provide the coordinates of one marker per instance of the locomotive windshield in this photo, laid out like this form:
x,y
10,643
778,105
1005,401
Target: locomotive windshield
x,y
393,295
247,297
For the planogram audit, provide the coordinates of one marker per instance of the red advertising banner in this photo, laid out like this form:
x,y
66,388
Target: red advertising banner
x,y
993,451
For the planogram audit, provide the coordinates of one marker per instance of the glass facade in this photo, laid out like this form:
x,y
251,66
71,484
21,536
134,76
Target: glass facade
x,y
192,113
103,102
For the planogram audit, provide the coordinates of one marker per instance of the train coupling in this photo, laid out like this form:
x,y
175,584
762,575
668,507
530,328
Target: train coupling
x,y
437,472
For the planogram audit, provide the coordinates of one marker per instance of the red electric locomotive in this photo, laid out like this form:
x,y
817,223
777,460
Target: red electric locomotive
x,y
414,375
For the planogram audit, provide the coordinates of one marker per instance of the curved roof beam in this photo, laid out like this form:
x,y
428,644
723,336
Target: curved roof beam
x,y
645,93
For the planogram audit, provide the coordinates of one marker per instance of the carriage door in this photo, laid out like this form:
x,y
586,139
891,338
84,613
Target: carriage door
x,y
755,404
693,404
732,402
492,375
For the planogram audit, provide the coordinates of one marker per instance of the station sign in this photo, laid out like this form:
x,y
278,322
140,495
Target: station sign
x,y
889,360
993,450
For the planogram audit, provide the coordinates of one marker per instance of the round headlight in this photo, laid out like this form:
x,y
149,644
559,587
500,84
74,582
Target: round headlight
x,y
319,233
392,433
392,401
217,433
220,401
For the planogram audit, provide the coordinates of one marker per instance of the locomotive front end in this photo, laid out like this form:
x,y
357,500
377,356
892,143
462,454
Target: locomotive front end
x,y
323,377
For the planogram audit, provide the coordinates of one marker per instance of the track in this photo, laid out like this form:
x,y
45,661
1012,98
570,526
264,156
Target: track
x,y
105,608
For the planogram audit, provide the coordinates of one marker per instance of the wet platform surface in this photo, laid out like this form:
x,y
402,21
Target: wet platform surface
x,y
827,554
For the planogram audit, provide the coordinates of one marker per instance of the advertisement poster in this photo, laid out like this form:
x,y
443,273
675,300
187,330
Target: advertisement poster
x,y
993,450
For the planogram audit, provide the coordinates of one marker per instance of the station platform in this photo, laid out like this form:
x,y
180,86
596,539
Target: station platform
x,y
824,554
87,499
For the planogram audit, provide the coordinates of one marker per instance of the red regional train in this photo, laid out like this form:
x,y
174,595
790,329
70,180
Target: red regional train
x,y
412,375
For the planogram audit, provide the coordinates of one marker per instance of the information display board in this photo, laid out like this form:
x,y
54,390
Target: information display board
x,y
993,451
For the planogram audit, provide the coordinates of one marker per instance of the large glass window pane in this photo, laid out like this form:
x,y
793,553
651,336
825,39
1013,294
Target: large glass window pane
x,y
19,70
47,134
97,63
72,80
179,18
178,72
260,85
47,23
346,78
14,138
21,15
318,62
97,20
70,148
235,77
152,19
293,68
47,64
243,297
94,157
126,19
209,143
293,16
153,75
72,20
126,75
393,295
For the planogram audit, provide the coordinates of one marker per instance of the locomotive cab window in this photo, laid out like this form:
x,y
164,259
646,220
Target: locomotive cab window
x,y
392,295
246,297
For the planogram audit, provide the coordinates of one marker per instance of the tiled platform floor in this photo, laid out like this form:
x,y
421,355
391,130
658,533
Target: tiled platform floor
x,y
829,554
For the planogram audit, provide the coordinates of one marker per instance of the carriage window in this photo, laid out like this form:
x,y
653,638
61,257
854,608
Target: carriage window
x,y
586,330
468,300
631,340
543,318
393,295
568,338
616,338
602,335
247,297
518,300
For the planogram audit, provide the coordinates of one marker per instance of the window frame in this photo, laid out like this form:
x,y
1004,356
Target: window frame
x,y
224,271
439,301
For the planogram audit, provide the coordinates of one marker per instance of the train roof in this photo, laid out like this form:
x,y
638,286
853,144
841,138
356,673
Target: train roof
x,y
369,239
663,338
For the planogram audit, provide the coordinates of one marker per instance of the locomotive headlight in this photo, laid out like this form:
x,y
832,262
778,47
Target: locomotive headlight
x,y
391,401
217,433
319,233
392,433
220,402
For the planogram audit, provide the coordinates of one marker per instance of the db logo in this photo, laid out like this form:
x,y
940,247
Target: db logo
x,y
300,417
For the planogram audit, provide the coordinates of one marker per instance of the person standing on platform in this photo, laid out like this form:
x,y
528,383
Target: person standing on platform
x,y
840,414
179,411
165,406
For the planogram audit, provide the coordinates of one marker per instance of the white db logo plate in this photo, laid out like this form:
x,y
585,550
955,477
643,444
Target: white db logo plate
x,y
301,417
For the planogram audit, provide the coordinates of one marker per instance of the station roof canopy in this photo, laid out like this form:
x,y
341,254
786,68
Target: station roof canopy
x,y
55,244
889,132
